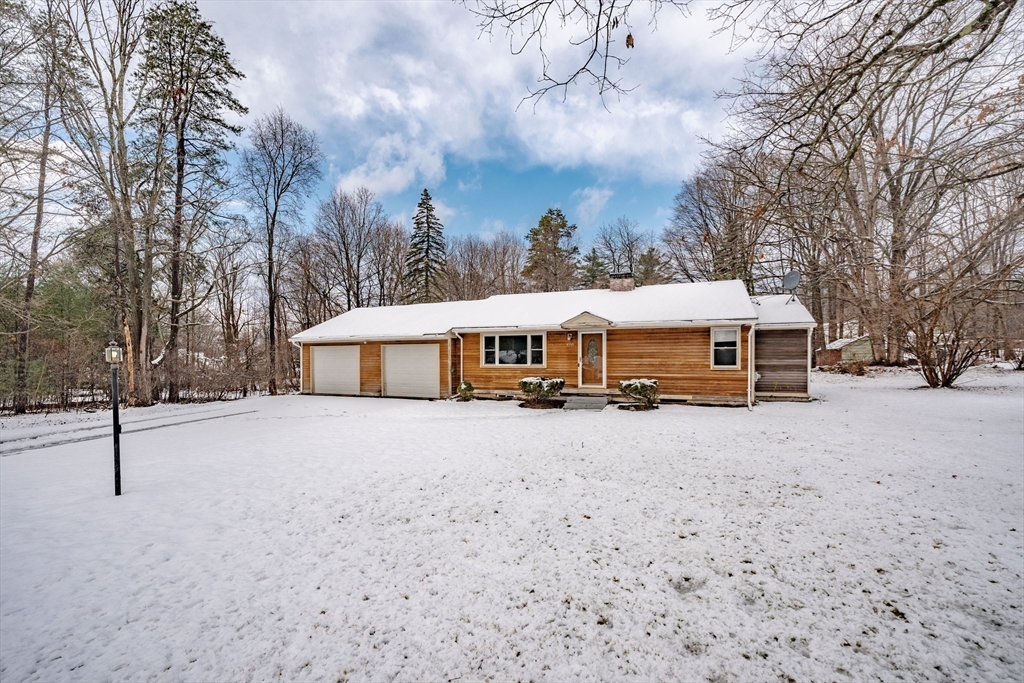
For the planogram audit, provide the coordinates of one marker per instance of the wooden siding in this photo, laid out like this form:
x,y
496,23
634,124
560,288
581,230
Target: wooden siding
x,y
456,352
370,383
306,381
561,362
680,359
858,351
780,357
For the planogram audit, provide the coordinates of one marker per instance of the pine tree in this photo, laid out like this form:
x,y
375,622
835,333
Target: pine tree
x,y
593,271
187,73
651,268
552,260
424,266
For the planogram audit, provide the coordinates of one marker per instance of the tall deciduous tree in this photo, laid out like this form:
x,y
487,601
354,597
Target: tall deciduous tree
x,y
424,266
553,256
348,227
30,49
188,75
122,184
279,169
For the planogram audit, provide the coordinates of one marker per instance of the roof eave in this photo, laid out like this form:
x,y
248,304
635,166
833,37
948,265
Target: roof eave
x,y
360,339
786,326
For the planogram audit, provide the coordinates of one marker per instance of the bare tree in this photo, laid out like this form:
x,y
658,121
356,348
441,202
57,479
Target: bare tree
x,y
389,250
600,31
123,180
830,68
30,49
278,171
879,34
717,227
311,282
621,244
188,73
966,270
347,228
469,272
510,254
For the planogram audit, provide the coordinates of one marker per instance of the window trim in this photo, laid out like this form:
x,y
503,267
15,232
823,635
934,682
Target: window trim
x,y
739,348
497,345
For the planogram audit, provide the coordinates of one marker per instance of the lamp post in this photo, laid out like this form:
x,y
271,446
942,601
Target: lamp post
x,y
113,356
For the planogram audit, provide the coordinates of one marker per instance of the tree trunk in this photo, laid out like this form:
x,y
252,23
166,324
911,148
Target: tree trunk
x,y
271,308
21,372
176,286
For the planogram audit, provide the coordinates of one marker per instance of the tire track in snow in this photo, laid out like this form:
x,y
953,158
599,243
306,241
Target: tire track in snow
x,y
102,425
93,437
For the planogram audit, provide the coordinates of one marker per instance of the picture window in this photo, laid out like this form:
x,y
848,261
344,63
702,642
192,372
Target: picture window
x,y
513,349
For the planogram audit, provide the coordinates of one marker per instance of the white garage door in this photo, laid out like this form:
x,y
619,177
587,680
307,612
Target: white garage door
x,y
412,370
335,369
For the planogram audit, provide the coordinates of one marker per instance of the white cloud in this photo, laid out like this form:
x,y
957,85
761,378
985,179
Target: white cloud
x,y
393,164
443,211
395,88
490,227
592,202
470,184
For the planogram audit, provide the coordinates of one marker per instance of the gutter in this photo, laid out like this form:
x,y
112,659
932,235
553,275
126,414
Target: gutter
x,y
750,368
359,340
786,326
462,358
659,324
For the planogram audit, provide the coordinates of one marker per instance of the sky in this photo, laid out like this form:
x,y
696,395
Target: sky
x,y
407,95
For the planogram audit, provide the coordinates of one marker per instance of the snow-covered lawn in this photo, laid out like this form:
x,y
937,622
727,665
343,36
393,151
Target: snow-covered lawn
x,y
875,534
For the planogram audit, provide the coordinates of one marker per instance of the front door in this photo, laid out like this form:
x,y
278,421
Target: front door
x,y
591,359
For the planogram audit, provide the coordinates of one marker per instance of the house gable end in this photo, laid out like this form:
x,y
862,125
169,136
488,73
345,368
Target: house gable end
x,y
586,320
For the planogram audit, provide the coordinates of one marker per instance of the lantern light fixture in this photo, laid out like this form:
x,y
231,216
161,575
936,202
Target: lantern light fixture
x,y
113,353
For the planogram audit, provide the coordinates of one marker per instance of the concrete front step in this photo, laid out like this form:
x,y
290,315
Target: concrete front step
x,y
585,402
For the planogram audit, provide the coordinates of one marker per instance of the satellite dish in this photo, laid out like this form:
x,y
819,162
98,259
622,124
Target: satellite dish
x,y
791,281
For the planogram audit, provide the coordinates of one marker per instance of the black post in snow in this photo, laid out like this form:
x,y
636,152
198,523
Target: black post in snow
x,y
117,432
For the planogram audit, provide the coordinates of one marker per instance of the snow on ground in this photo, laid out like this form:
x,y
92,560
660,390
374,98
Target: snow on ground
x,y
876,534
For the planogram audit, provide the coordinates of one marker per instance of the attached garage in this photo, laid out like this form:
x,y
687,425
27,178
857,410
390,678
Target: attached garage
x,y
780,361
412,370
335,369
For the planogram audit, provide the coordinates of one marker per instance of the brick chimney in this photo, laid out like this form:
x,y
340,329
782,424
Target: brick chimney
x,y
621,282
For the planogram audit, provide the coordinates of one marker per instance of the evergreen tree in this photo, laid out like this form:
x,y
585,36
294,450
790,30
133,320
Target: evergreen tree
x,y
651,268
593,271
187,75
424,266
552,260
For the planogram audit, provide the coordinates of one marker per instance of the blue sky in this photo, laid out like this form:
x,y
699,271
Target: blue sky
x,y
407,95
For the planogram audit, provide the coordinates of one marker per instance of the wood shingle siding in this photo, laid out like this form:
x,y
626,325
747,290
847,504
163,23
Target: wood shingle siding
x,y
780,358
680,359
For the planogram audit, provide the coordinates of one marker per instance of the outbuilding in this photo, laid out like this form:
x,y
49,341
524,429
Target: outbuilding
x,y
705,342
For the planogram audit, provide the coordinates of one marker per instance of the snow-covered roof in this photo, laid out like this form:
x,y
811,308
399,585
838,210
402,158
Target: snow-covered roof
x,y
840,343
781,310
656,305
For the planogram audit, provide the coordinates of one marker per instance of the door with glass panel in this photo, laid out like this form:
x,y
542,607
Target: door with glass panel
x,y
591,359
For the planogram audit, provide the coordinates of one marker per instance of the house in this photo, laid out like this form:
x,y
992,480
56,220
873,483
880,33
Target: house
x,y
696,339
846,351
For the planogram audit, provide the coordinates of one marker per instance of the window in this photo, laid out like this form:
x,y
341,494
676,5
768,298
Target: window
x,y
725,348
513,349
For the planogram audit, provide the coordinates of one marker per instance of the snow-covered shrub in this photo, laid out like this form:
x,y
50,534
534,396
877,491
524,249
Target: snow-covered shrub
x,y
643,391
465,391
541,388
